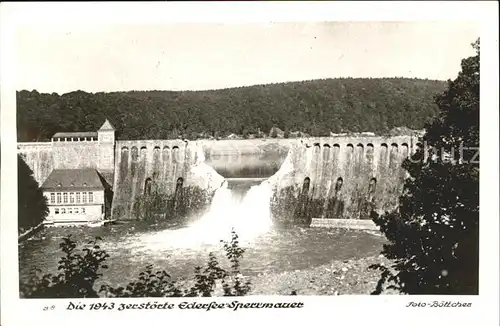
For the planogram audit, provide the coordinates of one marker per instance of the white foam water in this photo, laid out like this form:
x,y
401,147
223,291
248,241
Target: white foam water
x,y
249,218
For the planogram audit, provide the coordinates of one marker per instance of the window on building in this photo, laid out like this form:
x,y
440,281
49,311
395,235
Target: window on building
x,y
52,198
70,210
84,197
71,197
82,210
91,197
77,195
56,211
65,197
58,197
76,210
63,210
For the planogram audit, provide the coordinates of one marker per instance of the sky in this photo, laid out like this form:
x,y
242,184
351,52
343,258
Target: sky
x,y
196,56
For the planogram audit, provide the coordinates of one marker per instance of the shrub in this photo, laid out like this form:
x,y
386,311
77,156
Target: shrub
x,y
187,204
234,253
273,133
154,207
334,208
290,208
79,273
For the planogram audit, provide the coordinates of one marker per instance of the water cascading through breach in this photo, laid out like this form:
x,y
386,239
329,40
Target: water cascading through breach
x,y
248,216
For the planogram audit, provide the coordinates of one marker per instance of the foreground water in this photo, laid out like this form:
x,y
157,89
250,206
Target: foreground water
x,y
241,205
275,251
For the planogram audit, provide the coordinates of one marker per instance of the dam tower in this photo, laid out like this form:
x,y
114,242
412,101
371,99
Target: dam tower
x,y
106,144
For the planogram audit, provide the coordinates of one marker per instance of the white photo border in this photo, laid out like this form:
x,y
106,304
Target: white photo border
x,y
387,310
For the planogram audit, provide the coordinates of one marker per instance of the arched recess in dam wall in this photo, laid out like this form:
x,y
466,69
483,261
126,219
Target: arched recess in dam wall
x,y
156,166
347,176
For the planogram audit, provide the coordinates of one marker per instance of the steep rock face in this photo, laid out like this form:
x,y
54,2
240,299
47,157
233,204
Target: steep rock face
x,y
341,177
146,167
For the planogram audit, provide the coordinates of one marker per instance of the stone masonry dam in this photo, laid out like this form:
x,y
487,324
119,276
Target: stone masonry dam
x,y
352,169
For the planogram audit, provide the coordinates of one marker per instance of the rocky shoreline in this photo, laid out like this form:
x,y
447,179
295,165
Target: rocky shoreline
x,y
350,277
335,278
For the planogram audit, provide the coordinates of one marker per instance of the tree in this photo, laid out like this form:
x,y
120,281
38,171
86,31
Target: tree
x,y
287,133
458,120
273,133
434,236
245,133
326,104
32,204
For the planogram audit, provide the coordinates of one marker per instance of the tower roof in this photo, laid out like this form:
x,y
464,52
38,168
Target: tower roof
x,y
106,126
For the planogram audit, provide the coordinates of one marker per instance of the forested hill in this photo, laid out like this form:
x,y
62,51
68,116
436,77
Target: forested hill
x,y
315,107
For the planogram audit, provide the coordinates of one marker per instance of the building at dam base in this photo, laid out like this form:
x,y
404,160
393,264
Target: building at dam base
x,y
75,196
331,177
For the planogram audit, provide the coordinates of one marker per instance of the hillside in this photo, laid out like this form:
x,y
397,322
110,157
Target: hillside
x,y
316,107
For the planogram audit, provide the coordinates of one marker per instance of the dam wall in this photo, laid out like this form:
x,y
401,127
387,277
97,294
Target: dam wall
x,y
339,177
39,156
144,167
43,157
344,177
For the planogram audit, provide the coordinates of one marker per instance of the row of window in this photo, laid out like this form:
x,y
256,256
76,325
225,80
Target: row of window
x,y
58,139
71,197
70,210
